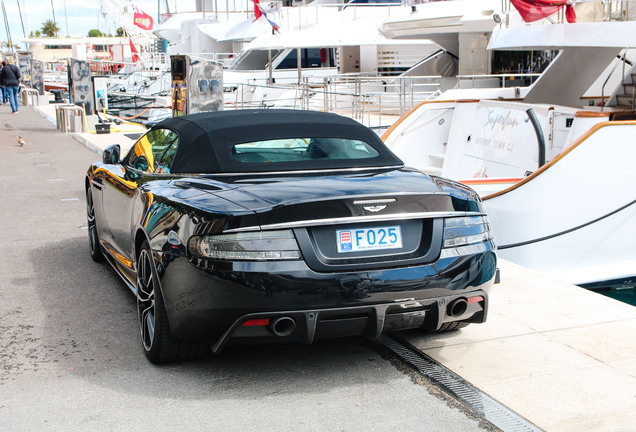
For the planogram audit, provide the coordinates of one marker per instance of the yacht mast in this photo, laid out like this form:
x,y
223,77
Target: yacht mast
x,y
8,30
21,21
66,18
54,20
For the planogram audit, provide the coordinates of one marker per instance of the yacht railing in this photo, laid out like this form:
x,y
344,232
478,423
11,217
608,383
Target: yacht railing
x,y
296,18
372,101
504,80
225,58
609,75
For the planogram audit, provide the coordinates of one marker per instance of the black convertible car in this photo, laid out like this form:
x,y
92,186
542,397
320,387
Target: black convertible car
x,y
283,225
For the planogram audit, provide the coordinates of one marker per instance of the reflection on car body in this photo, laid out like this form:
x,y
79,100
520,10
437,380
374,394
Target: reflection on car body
x,y
282,225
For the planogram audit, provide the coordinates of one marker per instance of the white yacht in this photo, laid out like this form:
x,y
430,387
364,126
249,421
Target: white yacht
x,y
323,52
553,160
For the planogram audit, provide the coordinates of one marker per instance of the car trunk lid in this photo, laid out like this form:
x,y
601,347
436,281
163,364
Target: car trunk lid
x,y
349,222
301,200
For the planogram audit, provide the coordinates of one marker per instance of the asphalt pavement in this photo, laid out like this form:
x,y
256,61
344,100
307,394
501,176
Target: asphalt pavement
x,y
70,355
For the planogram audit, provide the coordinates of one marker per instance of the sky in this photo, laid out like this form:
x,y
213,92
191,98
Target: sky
x,y
83,15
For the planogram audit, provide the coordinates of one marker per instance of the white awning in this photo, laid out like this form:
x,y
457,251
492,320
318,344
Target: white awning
x,y
229,31
326,36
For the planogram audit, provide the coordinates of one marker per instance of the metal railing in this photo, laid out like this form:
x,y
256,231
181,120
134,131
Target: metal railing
x,y
609,75
296,18
225,58
371,100
505,80
301,17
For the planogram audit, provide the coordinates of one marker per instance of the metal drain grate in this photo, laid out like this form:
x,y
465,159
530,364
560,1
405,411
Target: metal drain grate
x,y
496,413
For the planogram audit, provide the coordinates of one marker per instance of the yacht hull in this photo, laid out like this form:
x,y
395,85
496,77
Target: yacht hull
x,y
574,218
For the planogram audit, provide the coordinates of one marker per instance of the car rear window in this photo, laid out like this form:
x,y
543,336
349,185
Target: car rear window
x,y
302,149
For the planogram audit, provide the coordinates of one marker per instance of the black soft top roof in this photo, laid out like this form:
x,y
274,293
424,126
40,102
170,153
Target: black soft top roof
x,y
206,139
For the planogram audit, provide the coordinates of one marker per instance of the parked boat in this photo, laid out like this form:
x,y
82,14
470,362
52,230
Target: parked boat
x,y
557,180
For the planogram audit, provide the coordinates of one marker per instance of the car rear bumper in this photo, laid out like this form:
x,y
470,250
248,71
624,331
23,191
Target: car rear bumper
x,y
371,321
214,301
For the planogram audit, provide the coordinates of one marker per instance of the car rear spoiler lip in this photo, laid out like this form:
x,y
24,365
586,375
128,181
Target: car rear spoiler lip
x,y
355,219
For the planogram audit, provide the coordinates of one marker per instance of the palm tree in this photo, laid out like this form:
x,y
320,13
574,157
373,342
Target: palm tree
x,y
9,45
50,28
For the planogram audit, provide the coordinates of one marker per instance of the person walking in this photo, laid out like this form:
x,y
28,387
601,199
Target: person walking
x,y
10,78
5,98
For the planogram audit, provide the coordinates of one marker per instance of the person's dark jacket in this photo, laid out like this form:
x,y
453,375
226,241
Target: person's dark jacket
x,y
10,75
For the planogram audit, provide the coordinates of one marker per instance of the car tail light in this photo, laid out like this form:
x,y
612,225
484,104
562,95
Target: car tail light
x,y
462,231
256,322
248,246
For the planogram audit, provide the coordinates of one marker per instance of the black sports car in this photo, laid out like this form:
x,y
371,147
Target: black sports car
x,y
283,225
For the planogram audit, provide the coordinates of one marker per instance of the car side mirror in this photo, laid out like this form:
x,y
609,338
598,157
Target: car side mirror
x,y
111,154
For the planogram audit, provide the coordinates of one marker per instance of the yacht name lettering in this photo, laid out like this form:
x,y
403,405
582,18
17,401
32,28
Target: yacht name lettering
x,y
493,144
503,121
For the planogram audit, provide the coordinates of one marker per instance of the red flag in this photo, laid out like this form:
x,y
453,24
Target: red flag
x,y
135,53
257,10
141,18
534,10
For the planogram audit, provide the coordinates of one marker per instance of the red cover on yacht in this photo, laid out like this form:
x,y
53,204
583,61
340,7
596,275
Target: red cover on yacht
x,y
533,10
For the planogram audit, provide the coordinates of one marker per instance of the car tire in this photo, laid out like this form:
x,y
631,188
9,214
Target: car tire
x,y
93,240
158,343
450,326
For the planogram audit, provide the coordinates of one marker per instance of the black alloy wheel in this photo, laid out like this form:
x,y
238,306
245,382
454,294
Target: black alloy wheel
x,y
93,240
158,344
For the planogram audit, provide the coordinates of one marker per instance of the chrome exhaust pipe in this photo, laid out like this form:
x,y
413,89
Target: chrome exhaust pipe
x,y
457,307
282,326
